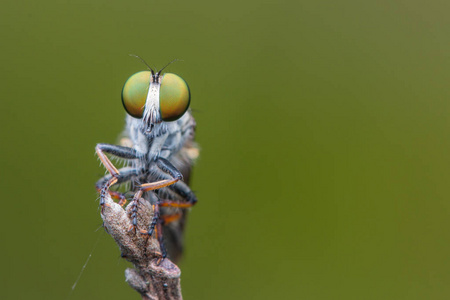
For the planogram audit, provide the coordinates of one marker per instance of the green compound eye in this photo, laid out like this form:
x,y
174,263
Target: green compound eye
x,y
174,97
134,93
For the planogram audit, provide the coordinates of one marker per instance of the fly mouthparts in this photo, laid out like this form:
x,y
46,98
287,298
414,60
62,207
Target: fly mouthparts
x,y
149,127
147,123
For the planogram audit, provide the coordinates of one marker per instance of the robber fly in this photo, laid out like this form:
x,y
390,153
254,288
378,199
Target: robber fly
x,y
158,150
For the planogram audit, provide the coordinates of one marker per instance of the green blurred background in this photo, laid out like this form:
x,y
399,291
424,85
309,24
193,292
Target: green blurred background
x,y
324,131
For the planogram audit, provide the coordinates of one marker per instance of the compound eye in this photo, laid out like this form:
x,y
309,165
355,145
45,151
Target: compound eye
x,y
134,93
174,97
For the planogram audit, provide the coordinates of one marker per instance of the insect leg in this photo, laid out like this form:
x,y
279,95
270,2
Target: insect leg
x,y
155,219
166,167
160,238
164,219
179,187
185,192
119,151
133,212
125,174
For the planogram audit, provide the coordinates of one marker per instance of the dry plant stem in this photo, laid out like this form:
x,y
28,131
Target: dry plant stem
x,y
152,280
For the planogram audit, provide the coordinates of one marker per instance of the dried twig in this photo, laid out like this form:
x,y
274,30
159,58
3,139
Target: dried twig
x,y
152,280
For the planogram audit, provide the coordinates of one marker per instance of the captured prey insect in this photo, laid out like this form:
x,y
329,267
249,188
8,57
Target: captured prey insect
x,y
159,151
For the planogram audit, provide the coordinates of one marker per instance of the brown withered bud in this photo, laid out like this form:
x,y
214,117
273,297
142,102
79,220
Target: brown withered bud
x,y
153,277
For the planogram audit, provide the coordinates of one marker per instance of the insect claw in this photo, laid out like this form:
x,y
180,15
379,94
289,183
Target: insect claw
x,y
132,228
191,198
160,259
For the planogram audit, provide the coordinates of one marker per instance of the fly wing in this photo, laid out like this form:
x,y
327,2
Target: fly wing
x,y
174,231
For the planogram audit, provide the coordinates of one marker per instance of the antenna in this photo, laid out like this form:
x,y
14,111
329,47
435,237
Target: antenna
x,y
145,63
176,59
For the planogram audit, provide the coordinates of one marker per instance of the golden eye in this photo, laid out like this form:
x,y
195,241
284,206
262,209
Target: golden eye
x,y
134,93
174,97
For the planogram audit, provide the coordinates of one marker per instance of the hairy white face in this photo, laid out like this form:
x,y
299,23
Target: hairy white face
x,y
152,114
